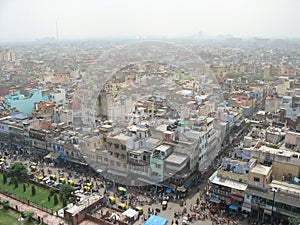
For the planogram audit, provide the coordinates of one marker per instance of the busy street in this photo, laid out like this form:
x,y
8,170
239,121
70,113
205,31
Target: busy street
x,y
191,207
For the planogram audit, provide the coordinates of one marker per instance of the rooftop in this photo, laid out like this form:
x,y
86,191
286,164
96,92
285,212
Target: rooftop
x,y
83,204
163,147
227,182
261,169
176,158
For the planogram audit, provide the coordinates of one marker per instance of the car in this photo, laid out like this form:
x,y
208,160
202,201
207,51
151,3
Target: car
x,y
45,179
56,185
49,182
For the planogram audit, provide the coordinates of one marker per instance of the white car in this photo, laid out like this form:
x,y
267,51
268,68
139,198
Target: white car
x,y
49,182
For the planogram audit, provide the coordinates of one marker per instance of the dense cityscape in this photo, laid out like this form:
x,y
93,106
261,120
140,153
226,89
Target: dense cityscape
x,y
202,131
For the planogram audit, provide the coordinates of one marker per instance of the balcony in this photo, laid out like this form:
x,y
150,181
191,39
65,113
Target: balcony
x,y
220,192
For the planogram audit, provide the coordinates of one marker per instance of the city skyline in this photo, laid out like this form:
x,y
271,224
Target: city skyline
x,y
31,20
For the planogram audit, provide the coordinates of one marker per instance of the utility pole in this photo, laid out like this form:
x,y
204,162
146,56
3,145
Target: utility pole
x,y
274,190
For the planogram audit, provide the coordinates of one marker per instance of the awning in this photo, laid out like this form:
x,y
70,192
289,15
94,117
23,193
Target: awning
x,y
187,184
114,172
131,213
156,220
181,188
146,181
228,183
233,207
215,200
53,155
168,190
76,161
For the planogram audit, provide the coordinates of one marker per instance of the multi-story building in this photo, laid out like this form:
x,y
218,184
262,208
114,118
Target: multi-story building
x,y
24,104
229,183
7,55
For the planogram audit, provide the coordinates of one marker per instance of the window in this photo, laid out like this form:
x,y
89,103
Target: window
x,y
256,179
158,166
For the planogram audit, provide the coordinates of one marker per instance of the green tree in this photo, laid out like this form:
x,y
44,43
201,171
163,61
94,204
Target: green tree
x,y
52,191
65,190
24,187
33,191
28,215
16,182
294,220
64,201
17,170
55,199
5,204
4,178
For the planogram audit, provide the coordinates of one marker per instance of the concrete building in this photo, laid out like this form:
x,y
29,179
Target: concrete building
x,y
24,104
7,55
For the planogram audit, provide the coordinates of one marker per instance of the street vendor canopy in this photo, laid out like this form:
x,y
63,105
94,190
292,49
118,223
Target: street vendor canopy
x,y
233,207
131,213
156,220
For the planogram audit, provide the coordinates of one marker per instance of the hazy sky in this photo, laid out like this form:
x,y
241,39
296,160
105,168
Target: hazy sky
x,y
33,19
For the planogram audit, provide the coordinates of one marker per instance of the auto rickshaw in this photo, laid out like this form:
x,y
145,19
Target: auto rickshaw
x,y
2,160
87,188
122,206
40,178
112,200
71,182
122,190
52,177
62,180
140,210
33,168
164,204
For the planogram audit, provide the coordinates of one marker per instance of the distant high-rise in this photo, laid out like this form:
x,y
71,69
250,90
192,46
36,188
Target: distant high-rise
x,y
7,55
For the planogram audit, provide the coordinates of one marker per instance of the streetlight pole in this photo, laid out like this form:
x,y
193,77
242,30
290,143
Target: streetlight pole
x,y
274,190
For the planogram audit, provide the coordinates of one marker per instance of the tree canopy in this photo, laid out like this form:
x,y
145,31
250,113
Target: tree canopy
x,y
65,190
17,170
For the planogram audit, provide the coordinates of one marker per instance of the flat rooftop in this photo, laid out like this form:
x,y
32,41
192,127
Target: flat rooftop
x,y
176,158
286,187
275,151
83,204
163,147
227,182
261,169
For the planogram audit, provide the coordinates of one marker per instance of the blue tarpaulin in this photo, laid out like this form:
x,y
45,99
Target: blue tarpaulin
x,y
187,184
168,190
156,220
233,207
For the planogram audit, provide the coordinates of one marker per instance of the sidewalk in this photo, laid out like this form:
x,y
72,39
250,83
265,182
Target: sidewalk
x,y
46,218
